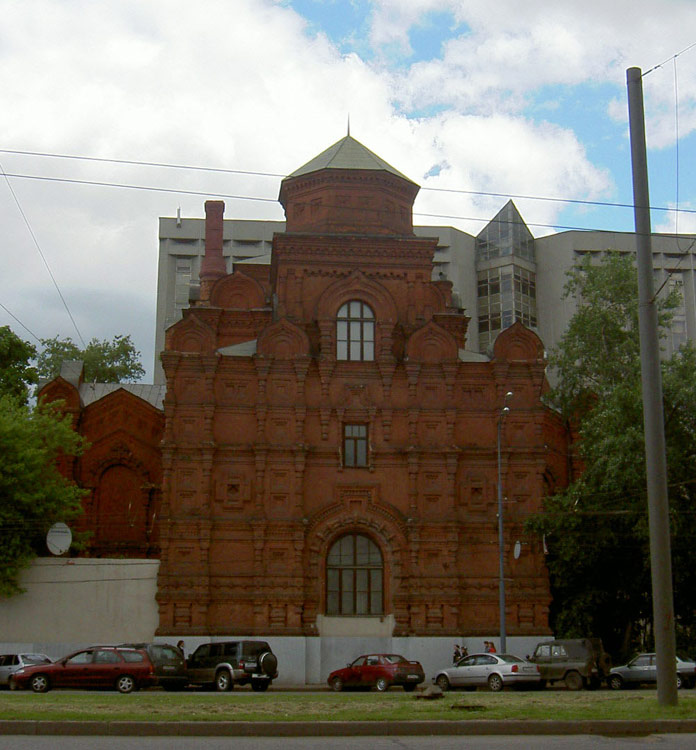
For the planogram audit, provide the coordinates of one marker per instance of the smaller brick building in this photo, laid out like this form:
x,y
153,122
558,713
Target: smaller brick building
x,y
122,467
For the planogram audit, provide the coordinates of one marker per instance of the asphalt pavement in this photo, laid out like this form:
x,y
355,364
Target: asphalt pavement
x,y
607,728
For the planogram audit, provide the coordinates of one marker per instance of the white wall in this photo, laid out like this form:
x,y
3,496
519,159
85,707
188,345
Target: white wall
x,y
72,602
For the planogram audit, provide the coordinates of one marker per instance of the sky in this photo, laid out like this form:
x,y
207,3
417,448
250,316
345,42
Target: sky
x,y
476,101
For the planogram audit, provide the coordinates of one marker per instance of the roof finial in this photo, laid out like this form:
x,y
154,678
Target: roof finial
x,y
348,124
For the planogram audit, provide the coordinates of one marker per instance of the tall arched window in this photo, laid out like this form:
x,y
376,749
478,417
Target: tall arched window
x,y
355,331
354,575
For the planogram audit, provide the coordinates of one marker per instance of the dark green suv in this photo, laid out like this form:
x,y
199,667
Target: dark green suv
x,y
577,662
229,663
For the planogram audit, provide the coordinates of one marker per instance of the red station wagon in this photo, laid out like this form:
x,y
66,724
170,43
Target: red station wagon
x,y
380,671
122,669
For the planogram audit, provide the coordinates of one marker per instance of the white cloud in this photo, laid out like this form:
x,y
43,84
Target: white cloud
x,y
246,86
510,50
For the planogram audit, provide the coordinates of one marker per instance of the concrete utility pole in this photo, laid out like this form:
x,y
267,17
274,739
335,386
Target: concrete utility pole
x,y
653,417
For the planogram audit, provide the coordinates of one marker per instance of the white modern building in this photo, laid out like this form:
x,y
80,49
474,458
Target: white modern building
x,y
502,275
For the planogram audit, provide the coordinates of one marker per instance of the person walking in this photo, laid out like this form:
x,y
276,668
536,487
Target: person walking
x,y
457,655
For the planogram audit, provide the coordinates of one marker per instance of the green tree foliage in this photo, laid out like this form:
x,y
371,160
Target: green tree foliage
x,y
114,361
33,493
597,529
16,371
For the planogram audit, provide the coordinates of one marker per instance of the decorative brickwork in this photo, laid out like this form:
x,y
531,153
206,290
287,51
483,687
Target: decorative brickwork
x,y
255,486
121,468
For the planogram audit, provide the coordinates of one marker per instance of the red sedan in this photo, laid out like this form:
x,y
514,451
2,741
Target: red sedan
x,y
123,669
378,670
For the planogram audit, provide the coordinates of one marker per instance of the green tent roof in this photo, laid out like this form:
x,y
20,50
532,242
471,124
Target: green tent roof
x,y
347,154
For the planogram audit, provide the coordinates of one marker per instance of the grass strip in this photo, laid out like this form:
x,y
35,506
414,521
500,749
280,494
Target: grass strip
x,y
154,705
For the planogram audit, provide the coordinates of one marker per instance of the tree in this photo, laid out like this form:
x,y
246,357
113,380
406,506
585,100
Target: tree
x,y
33,493
16,372
597,529
114,361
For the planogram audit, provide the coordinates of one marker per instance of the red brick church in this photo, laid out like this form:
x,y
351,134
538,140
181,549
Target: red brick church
x,y
329,458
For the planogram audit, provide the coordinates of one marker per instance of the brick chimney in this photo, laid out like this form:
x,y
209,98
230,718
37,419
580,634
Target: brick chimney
x,y
213,264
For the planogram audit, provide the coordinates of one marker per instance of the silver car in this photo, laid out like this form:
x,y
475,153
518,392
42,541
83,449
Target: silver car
x,y
642,670
494,671
10,663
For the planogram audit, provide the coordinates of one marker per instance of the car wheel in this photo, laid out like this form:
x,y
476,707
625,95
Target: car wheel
x,y
223,681
260,686
337,684
573,681
680,682
409,687
40,684
495,683
268,663
615,682
443,682
125,684
381,685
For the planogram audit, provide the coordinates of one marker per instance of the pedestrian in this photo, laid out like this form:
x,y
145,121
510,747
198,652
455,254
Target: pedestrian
x,y
180,646
464,651
457,655
491,647
486,647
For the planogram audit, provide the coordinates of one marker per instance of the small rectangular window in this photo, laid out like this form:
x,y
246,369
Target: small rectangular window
x,y
355,445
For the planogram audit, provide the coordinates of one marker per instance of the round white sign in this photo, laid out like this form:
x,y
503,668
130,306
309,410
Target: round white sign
x,y
58,539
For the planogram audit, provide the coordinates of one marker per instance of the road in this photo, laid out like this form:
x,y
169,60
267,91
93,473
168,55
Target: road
x,y
575,742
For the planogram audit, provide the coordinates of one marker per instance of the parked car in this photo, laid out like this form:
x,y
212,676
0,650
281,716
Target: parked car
x,y
10,663
169,664
229,663
577,662
494,671
378,670
125,669
642,670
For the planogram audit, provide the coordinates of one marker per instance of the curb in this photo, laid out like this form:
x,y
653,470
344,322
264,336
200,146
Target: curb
x,y
609,728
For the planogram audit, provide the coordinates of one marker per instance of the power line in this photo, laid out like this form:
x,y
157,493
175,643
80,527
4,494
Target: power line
x,y
14,317
43,257
669,59
208,193
220,170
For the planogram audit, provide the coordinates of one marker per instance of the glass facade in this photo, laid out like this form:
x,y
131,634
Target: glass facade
x,y
355,332
505,292
505,235
354,574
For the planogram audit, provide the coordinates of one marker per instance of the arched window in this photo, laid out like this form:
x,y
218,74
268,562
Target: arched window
x,y
355,331
354,574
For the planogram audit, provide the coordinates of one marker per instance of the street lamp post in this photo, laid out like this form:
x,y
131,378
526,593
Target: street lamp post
x,y
501,543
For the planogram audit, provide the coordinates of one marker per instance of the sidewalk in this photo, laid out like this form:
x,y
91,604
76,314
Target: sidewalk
x,y
347,729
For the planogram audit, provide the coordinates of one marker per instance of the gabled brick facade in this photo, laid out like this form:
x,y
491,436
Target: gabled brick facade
x,y
122,466
328,401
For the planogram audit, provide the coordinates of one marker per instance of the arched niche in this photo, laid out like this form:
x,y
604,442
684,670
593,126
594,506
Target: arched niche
x,y
237,292
283,340
431,344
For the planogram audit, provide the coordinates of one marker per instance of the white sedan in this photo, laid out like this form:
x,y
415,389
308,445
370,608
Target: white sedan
x,y
492,670
10,663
